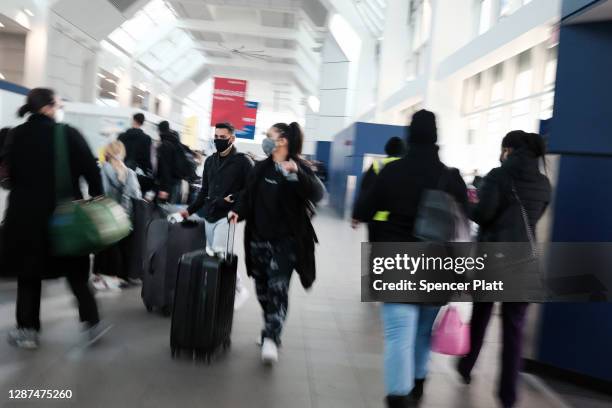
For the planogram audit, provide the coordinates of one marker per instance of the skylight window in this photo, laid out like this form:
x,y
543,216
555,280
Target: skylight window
x,y
144,24
346,37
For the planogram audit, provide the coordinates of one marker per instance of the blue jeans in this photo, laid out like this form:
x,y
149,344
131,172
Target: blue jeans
x,y
407,330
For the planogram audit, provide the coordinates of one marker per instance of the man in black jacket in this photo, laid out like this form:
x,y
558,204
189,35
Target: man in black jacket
x,y
224,177
168,155
138,151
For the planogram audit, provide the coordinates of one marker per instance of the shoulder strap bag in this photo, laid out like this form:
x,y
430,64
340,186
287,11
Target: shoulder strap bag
x,y
81,227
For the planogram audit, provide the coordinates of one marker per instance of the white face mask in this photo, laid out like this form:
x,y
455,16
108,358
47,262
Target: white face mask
x,y
59,115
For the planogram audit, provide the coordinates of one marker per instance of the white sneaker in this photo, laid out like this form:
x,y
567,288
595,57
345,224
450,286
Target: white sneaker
x,y
269,352
242,295
23,338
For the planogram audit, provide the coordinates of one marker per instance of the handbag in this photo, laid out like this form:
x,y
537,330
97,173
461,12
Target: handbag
x,y
81,227
450,335
439,217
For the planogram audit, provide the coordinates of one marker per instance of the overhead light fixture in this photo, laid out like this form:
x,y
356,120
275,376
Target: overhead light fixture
x,y
101,75
1,25
28,12
140,96
112,81
2,76
112,93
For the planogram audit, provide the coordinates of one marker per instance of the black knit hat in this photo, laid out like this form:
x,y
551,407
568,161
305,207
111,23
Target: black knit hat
x,y
395,147
423,128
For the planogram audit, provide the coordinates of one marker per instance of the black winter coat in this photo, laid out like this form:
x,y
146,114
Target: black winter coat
x,y
137,149
399,187
221,178
298,204
498,213
32,200
167,163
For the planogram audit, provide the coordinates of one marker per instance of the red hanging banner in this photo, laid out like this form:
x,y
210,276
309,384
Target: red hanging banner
x,y
228,101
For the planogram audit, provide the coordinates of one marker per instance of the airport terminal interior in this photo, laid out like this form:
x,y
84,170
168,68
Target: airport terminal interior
x,y
222,85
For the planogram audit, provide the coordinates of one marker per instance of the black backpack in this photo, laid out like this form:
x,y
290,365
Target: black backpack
x,y
185,164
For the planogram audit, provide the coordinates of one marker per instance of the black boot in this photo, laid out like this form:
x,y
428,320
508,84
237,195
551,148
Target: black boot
x,y
417,390
465,375
399,401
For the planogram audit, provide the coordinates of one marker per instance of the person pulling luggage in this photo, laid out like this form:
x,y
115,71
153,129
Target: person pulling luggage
x,y
224,177
277,204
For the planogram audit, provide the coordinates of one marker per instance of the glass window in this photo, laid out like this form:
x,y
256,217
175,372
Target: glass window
x,y
485,16
497,89
550,72
478,92
524,77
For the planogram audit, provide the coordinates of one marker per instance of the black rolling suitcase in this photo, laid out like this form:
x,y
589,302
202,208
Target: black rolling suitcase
x,y
165,244
143,213
204,303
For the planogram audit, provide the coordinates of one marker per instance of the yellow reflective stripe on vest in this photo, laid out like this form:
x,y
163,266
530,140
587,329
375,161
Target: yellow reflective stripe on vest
x,y
377,166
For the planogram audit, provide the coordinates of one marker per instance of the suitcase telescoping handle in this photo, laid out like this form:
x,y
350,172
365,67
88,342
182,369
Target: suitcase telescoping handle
x,y
231,233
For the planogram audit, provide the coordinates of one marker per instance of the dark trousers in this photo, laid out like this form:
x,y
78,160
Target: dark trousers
x,y
513,322
76,271
272,266
115,260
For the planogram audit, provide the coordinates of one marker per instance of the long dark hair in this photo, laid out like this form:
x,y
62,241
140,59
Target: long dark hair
x,y
533,143
37,99
294,135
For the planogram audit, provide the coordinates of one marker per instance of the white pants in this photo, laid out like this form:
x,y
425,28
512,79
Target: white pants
x,y
216,240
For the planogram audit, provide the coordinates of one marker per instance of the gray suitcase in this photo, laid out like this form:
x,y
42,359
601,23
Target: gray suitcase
x,y
165,244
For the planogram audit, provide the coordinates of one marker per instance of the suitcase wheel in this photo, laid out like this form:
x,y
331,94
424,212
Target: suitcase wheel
x,y
149,309
227,344
173,352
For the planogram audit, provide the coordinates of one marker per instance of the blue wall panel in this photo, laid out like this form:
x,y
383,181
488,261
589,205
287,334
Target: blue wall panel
x,y
577,337
323,151
570,7
583,113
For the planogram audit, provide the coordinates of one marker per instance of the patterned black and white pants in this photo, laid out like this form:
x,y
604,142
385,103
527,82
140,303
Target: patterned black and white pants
x,y
272,267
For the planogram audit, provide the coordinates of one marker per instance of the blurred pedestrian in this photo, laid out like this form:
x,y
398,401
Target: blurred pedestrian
x,y
507,193
32,165
398,190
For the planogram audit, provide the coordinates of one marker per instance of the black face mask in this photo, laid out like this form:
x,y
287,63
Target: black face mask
x,y
222,144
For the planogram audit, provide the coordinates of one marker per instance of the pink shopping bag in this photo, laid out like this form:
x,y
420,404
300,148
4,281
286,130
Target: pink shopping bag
x,y
450,335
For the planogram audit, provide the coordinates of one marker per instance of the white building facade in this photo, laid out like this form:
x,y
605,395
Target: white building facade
x,y
485,67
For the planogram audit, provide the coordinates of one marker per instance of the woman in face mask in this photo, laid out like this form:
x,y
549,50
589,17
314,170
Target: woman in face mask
x,y
277,204
32,162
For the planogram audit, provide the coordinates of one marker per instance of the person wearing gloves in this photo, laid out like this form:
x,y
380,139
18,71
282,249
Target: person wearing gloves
x,y
224,177
278,204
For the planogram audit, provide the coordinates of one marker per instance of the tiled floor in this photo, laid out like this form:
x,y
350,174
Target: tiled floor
x,y
331,357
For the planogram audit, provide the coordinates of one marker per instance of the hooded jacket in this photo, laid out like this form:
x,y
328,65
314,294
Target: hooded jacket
x,y
498,213
137,149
